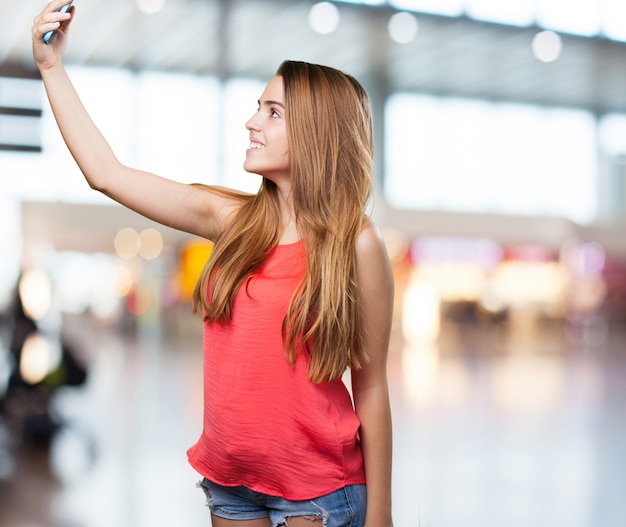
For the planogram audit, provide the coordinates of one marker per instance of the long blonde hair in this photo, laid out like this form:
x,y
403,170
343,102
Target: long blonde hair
x,y
329,131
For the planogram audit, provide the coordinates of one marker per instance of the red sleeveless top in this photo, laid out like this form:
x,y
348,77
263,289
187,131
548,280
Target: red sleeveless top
x,y
266,426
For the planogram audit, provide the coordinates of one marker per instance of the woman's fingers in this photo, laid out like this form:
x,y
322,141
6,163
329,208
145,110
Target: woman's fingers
x,y
51,18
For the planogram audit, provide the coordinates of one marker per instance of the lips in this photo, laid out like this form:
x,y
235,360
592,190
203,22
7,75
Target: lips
x,y
255,144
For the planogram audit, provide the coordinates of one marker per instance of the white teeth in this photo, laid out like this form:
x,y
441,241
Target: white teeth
x,y
255,146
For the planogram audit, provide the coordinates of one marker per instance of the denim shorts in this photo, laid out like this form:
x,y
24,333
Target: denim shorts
x,y
343,508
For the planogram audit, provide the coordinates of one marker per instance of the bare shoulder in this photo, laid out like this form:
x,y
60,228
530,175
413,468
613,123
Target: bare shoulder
x,y
372,259
370,243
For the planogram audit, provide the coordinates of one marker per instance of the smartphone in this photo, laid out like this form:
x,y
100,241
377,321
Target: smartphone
x,y
48,35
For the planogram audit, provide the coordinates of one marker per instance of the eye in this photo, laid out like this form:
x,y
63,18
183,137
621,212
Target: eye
x,y
274,113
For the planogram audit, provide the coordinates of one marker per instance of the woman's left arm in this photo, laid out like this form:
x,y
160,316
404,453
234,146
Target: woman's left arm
x,y
369,384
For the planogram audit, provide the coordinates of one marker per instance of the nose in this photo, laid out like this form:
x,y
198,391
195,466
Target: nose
x,y
252,123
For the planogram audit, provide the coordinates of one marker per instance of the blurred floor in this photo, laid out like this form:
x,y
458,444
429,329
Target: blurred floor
x,y
517,425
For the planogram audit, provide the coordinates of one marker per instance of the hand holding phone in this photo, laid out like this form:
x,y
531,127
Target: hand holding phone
x,y
49,34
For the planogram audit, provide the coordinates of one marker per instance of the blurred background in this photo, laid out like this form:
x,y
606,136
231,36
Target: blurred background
x,y
501,192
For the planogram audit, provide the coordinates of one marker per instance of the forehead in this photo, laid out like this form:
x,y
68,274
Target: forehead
x,y
274,90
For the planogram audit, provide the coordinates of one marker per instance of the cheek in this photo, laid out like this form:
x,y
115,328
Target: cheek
x,y
286,147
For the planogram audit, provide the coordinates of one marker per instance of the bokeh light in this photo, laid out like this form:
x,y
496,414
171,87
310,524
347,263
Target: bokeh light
x,y
123,281
324,17
37,359
127,243
421,313
150,244
139,300
402,27
150,6
547,46
35,293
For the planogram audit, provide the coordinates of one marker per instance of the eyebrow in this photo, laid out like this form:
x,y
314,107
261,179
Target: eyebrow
x,y
270,102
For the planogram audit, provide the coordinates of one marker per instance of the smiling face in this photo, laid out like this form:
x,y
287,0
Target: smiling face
x,y
268,152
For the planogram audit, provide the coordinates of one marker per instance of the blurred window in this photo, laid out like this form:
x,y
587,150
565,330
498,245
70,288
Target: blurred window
x,y
580,17
364,2
437,7
613,14
175,120
613,134
241,96
196,137
475,156
513,12
59,177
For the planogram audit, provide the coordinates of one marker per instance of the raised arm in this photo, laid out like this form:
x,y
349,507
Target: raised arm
x,y
369,384
200,211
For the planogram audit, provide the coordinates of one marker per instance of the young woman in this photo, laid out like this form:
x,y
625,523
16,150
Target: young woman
x,y
298,289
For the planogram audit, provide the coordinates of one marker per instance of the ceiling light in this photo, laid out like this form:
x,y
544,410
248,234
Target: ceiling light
x,y
324,17
150,6
547,46
402,27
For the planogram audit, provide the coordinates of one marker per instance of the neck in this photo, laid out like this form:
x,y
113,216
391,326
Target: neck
x,y
288,228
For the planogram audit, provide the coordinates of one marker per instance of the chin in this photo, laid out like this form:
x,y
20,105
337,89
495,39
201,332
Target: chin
x,y
250,169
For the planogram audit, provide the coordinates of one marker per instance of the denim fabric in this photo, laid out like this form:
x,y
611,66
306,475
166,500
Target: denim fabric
x,y
342,508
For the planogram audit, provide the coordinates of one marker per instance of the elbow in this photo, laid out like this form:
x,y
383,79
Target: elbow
x,y
93,185
96,184
101,177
